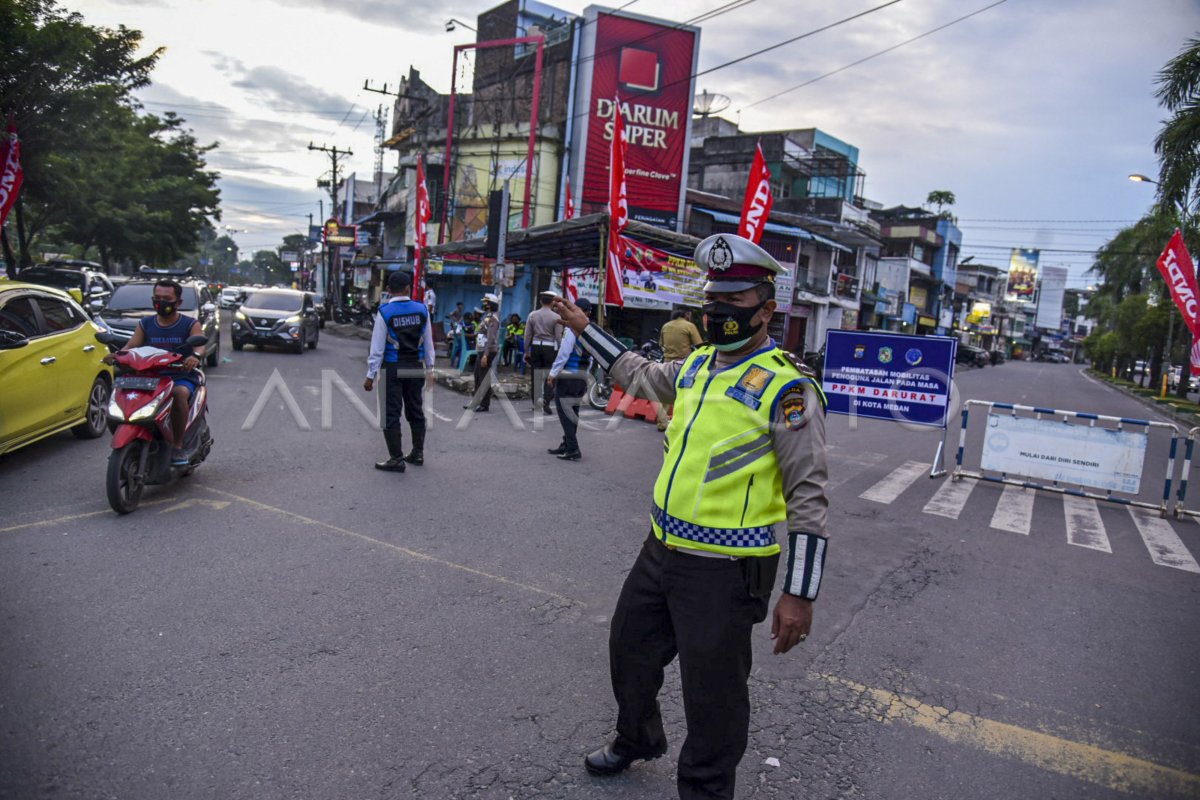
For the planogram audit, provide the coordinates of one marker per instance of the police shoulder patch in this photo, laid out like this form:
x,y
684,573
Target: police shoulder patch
x,y
792,407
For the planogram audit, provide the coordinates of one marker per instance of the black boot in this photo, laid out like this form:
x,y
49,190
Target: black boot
x,y
395,445
571,455
558,451
416,456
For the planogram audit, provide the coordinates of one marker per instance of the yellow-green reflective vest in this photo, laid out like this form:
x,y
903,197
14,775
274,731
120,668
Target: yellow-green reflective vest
x,y
720,488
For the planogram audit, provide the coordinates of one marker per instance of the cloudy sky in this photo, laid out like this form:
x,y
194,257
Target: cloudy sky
x,y
1032,112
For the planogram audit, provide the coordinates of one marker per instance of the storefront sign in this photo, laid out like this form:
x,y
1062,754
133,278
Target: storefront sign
x,y
646,66
889,376
1053,450
339,234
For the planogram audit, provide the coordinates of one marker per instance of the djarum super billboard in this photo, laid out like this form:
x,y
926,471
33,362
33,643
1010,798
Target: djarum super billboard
x,y
645,65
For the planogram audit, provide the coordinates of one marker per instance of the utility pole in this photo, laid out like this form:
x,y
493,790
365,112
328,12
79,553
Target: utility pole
x,y
332,285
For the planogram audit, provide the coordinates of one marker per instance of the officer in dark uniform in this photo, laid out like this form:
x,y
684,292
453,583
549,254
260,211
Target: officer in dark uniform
x,y
402,343
745,460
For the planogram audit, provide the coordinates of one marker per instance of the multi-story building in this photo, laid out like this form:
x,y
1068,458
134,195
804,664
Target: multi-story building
x,y
920,258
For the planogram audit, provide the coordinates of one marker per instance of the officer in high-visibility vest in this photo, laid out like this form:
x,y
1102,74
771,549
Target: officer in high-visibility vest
x,y
744,469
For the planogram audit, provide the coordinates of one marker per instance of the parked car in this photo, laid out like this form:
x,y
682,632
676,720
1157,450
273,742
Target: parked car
x,y
233,296
282,317
95,287
135,299
50,367
972,356
998,356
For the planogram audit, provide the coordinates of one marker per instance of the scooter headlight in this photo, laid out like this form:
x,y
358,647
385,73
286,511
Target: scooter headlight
x,y
147,411
114,410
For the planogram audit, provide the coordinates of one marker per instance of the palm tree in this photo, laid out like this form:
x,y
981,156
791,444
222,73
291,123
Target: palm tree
x,y
1178,143
940,198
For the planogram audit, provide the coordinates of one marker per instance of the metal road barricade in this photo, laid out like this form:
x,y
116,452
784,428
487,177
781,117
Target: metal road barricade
x,y
1183,478
1046,464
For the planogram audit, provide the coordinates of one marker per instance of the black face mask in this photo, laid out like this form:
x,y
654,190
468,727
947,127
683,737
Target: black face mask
x,y
729,326
165,308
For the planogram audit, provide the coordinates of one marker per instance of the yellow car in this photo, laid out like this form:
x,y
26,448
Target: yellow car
x,y
51,374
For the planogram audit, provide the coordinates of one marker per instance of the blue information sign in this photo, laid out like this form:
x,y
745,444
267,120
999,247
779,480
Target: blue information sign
x,y
890,376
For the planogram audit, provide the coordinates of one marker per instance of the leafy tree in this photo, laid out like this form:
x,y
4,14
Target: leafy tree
x,y
1178,143
148,198
56,75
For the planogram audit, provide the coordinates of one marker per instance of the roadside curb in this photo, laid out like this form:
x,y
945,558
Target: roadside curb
x,y
1185,421
452,379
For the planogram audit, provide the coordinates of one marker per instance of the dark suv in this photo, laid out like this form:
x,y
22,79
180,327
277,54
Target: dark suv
x,y
281,317
135,299
95,287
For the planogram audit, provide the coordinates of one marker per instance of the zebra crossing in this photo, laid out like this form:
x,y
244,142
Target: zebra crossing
x,y
1014,510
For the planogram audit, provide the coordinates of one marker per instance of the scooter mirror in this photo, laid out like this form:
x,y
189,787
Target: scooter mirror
x,y
196,341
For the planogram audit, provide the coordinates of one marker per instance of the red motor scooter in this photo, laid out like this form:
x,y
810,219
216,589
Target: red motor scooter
x,y
141,404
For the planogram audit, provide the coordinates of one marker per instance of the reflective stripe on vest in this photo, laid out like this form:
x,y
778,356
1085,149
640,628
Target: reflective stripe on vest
x,y
720,488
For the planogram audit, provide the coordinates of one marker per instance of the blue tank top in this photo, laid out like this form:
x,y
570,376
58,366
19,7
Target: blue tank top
x,y
170,337
167,338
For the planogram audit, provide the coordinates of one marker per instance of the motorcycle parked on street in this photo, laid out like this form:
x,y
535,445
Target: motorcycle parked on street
x,y
141,404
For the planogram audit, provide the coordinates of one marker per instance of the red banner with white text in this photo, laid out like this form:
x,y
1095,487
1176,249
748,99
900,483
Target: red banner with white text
x,y
648,68
1179,272
420,237
756,207
11,174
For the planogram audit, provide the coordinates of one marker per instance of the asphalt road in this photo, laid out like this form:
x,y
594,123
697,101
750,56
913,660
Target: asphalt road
x,y
291,623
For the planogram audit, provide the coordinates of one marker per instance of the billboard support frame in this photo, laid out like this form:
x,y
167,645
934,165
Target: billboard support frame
x,y
447,168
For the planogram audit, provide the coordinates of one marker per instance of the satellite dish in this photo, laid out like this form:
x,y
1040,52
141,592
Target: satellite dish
x,y
709,103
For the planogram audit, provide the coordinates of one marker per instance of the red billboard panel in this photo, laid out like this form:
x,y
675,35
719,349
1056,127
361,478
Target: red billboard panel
x,y
646,66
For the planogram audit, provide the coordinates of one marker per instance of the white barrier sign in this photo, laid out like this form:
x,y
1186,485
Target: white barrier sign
x,y
1058,451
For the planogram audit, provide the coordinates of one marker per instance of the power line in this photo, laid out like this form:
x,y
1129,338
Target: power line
x,y
873,55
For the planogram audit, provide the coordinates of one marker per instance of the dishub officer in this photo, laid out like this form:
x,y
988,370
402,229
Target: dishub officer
x,y
745,455
401,342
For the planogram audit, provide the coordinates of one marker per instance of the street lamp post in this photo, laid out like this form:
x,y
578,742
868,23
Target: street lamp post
x,y
1137,177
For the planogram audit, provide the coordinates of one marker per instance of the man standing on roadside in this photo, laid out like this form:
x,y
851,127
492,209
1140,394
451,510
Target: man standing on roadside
x,y
678,338
402,343
487,344
743,470
543,330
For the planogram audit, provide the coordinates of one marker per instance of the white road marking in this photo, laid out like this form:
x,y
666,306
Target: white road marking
x,y
1014,512
950,498
1165,546
891,487
1084,526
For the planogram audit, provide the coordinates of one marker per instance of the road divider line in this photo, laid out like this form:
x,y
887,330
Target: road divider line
x,y
1165,546
1014,512
72,517
950,498
1108,768
407,551
1084,526
887,490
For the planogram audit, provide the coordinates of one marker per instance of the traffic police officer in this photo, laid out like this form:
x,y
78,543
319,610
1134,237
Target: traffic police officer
x,y
402,343
487,345
745,456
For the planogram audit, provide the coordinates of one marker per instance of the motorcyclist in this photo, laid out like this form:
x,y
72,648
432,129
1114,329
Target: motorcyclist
x,y
169,330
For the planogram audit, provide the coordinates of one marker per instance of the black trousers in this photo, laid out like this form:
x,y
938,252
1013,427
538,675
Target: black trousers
x,y
541,357
703,610
403,394
481,372
568,394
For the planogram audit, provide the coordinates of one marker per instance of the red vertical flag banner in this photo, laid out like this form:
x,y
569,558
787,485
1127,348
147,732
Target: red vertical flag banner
x,y
756,207
1179,272
569,289
11,174
423,213
618,212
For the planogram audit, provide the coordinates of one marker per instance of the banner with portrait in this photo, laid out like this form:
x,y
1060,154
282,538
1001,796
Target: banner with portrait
x,y
1022,274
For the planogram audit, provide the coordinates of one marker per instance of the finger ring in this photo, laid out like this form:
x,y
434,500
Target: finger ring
x,y
803,636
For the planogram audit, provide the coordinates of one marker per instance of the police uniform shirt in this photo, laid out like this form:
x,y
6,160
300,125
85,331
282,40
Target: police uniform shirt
x,y
543,328
489,327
